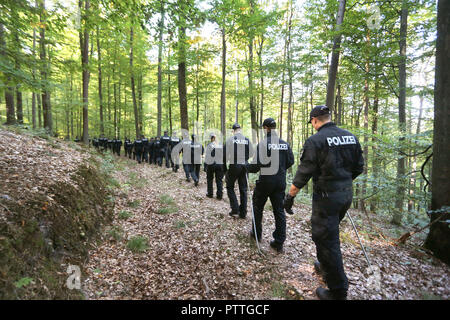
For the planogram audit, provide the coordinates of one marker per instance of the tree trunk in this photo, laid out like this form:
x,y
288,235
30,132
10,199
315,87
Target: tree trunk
x,y
133,88
398,213
182,77
332,74
46,107
100,95
222,92
33,99
160,54
9,91
84,46
438,240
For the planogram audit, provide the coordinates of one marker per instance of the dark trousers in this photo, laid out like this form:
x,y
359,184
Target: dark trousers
x,y
237,172
194,171
166,155
139,157
328,209
159,158
186,170
145,156
275,192
214,170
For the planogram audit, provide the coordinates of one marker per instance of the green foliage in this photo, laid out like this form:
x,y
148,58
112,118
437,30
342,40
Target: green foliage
x,y
124,215
116,233
23,282
138,244
133,203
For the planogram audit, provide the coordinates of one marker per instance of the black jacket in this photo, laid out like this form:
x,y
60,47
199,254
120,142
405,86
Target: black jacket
x,y
332,157
237,150
214,154
272,151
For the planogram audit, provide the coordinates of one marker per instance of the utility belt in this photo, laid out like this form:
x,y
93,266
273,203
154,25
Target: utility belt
x,y
341,186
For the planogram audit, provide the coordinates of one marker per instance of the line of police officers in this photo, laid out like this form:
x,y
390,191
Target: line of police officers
x,y
332,158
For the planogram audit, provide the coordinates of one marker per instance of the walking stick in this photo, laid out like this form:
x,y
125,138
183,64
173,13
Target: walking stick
x,y
253,218
357,235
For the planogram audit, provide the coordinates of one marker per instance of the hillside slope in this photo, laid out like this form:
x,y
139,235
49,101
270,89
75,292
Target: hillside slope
x,y
50,212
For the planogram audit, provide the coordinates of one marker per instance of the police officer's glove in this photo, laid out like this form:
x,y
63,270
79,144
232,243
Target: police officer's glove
x,y
288,203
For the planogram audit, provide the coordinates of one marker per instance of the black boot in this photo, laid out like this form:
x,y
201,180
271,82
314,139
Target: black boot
x,y
233,213
196,183
209,195
252,235
278,247
325,294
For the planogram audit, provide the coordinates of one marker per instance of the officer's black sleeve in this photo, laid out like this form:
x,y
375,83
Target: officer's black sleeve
x,y
290,158
307,166
358,167
255,165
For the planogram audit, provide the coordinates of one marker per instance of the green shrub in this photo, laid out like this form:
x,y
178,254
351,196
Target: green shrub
x,y
124,215
138,244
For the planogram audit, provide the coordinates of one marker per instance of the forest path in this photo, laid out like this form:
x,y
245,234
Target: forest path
x,y
197,251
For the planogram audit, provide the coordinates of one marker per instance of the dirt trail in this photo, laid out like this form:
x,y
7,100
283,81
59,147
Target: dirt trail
x,y
196,251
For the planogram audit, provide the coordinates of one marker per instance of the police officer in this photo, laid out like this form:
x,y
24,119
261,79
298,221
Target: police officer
x,y
95,143
174,140
157,150
103,143
214,167
151,154
186,151
118,146
165,143
238,149
138,149
110,144
273,157
145,148
333,158
197,151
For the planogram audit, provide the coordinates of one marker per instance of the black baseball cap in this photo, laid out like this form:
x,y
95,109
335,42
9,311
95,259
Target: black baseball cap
x,y
318,111
270,123
235,126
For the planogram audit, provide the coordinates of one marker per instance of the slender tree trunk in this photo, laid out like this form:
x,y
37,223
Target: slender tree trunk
x,y
46,107
160,55
290,76
398,213
169,93
133,88
222,92
33,99
84,46
332,74
182,77
9,91
236,111
100,95
259,52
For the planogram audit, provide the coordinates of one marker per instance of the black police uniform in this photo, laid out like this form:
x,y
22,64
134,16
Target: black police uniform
x,y
214,168
151,154
197,151
271,184
333,158
95,143
165,142
138,148
145,149
173,142
186,150
128,148
237,150
118,146
157,150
